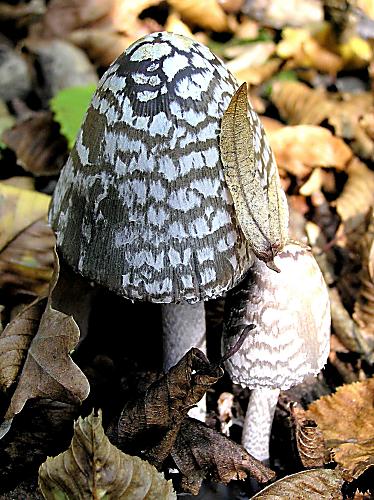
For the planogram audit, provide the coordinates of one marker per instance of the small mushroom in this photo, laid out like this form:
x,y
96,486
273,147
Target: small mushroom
x,y
142,206
290,341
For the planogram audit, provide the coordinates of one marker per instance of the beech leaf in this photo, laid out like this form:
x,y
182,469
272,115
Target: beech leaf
x,y
94,468
252,178
351,437
314,484
49,371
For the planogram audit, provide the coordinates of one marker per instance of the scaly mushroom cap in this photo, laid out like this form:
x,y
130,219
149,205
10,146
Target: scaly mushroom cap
x,y
141,205
291,314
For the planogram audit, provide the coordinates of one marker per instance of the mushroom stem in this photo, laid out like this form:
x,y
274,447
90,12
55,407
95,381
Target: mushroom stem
x,y
258,421
184,327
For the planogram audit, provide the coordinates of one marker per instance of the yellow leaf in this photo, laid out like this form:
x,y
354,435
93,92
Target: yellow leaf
x,y
19,208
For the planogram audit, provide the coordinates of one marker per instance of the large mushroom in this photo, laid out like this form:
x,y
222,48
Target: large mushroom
x,y
142,206
290,341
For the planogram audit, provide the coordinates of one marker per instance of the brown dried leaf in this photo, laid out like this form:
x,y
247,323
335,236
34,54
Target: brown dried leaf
x,y
174,24
15,341
38,144
201,452
19,208
152,422
299,148
253,179
364,305
309,439
315,484
49,371
357,196
94,468
26,263
195,12
356,403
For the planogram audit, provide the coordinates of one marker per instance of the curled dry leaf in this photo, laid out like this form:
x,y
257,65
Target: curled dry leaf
x,y
309,439
174,24
152,422
26,263
315,484
94,468
351,437
357,196
201,452
15,341
49,371
299,148
38,144
252,178
195,12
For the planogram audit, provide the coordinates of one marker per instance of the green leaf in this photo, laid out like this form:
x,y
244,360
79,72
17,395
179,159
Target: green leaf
x,y
69,106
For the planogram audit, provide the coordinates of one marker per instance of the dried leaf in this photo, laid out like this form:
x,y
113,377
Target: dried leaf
x,y
15,341
38,144
252,177
15,77
19,208
315,484
309,439
174,24
152,422
49,371
355,431
94,468
357,196
195,12
6,120
299,148
302,50
201,452
26,263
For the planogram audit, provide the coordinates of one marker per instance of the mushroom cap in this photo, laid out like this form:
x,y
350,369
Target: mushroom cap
x,y
141,206
291,314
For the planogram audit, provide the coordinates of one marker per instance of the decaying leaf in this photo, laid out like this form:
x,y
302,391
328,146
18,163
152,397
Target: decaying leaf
x,y
195,12
357,196
309,439
350,438
252,178
201,452
94,468
15,341
38,144
19,208
315,484
49,371
299,148
152,422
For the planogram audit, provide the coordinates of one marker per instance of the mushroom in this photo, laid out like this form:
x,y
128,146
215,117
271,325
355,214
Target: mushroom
x,y
142,207
290,341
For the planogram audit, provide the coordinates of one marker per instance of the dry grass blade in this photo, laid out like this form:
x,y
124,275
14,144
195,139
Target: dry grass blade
x,y
94,468
252,178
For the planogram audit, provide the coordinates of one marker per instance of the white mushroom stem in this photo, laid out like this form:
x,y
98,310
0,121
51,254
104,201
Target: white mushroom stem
x,y
258,422
184,327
